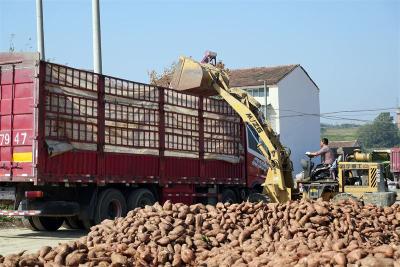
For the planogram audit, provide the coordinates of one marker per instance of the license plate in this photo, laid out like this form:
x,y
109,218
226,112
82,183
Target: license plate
x,y
7,193
313,190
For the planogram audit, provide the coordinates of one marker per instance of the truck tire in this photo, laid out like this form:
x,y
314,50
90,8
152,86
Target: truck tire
x,y
73,223
47,223
111,204
228,195
28,223
255,197
139,198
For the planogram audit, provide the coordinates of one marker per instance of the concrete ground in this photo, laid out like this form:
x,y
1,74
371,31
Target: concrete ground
x,y
14,240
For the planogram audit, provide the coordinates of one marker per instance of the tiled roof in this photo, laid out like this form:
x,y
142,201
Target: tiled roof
x,y
257,76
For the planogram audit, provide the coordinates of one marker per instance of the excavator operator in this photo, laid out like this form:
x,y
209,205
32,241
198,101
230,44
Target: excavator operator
x,y
327,156
326,153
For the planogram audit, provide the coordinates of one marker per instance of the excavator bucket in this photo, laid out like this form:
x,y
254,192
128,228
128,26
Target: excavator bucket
x,y
195,78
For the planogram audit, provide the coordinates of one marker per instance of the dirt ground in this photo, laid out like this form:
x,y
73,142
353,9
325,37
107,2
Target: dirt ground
x,y
13,240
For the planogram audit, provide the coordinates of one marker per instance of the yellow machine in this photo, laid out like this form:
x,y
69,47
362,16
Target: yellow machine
x,y
363,176
206,80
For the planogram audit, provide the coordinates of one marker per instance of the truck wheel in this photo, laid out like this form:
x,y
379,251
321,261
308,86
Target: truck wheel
x,y
28,223
255,197
139,198
73,223
86,224
111,204
229,196
47,223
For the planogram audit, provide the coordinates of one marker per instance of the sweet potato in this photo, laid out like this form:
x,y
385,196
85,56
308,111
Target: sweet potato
x,y
384,249
356,255
75,258
298,233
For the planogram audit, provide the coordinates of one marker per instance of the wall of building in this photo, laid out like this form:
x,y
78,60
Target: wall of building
x,y
273,112
398,118
300,131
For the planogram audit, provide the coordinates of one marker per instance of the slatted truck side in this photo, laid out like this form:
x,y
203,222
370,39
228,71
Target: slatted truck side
x,y
78,147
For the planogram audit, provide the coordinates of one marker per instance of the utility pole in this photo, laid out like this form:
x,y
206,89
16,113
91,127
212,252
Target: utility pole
x,y
39,29
97,64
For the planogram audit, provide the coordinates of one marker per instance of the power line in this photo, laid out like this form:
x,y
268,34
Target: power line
x,y
344,111
359,110
321,116
327,115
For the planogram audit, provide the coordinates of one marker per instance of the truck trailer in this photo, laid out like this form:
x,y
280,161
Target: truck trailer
x,y
78,147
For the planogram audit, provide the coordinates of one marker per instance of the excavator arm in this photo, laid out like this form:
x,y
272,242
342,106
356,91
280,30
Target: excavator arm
x,y
205,79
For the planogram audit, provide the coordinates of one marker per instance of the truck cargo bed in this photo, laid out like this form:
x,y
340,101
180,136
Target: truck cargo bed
x,y
64,125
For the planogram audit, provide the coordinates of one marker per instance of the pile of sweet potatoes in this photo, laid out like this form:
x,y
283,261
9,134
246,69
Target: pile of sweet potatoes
x,y
297,233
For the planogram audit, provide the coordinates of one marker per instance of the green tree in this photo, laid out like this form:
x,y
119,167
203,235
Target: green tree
x,y
162,79
381,133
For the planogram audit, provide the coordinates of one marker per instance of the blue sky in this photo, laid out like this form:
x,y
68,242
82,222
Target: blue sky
x,y
350,48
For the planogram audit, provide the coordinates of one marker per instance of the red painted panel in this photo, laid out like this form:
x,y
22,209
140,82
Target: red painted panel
x,y
122,166
5,123
24,90
23,169
5,107
5,161
395,160
5,154
24,75
6,91
22,138
71,163
221,169
23,105
6,76
16,119
181,167
23,121
21,75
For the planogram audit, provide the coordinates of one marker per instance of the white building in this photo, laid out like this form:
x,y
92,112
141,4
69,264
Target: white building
x,y
290,102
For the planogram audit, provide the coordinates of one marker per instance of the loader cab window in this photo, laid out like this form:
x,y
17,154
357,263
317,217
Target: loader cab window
x,y
357,177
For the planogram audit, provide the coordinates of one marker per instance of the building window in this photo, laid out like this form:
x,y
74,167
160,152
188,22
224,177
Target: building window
x,y
257,92
261,92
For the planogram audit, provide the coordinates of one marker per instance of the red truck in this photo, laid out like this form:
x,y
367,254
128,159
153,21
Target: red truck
x,y
395,162
78,147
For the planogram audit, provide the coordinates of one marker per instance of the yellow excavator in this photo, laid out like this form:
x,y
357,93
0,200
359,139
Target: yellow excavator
x,y
206,79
